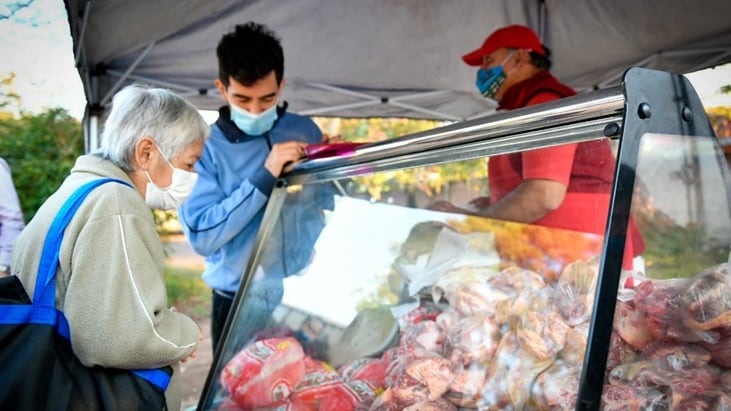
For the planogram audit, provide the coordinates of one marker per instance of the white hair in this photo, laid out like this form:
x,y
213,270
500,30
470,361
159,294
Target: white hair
x,y
138,111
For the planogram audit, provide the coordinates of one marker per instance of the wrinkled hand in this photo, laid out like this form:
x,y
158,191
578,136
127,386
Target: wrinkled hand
x,y
283,155
326,139
192,355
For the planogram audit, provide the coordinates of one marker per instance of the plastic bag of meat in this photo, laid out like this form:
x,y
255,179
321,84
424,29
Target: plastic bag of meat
x,y
510,376
323,389
447,283
708,298
448,319
417,314
332,395
631,325
466,388
524,289
575,291
477,299
708,301
474,339
661,303
284,405
424,335
385,402
620,352
418,375
540,301
440,404
622,398
575,349
249,386
370,370
542,334
684,388
557,388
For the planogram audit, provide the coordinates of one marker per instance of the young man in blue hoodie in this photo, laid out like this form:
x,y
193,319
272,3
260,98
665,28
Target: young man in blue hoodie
x,y
251,143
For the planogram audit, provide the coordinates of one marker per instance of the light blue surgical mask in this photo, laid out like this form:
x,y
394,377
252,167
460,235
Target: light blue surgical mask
x,y
254,124
490,80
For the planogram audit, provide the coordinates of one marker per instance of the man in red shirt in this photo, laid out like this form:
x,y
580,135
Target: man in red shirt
x,y
566,186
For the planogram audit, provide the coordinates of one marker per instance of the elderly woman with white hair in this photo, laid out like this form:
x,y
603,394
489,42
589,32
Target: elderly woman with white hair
x,y
109,280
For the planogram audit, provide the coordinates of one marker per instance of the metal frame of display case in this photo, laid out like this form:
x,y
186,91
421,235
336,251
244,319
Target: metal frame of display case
x,y
655,102
647,102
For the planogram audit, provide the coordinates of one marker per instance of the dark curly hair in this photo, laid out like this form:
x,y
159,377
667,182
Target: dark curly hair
x,y
249,53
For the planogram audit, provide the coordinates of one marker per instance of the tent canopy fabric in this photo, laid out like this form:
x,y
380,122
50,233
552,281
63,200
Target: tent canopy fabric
x,y
386,58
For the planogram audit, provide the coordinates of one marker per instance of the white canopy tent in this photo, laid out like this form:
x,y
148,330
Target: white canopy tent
x,y
385,58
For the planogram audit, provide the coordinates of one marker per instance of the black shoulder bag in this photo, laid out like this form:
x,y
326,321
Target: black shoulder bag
x,y
38,369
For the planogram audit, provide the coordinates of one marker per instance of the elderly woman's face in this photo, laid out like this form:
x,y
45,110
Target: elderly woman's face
x,y
187,159
161,172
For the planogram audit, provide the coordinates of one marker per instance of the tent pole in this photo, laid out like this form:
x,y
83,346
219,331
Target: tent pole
x,y
130,69
542,20
84,23
91,118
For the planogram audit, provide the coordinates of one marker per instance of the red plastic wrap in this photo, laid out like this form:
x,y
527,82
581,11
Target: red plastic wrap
x,y
330,150
264,372
370,370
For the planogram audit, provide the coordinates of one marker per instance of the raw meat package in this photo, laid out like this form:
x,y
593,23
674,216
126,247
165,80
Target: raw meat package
x,y
264,372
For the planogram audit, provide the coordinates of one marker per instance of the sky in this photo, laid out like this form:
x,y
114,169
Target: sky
x,y
38,35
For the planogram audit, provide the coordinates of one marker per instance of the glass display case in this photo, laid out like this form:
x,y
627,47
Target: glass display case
x,y
367,292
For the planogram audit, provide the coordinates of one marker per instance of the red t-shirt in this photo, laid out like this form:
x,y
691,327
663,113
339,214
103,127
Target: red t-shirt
x,y
586,169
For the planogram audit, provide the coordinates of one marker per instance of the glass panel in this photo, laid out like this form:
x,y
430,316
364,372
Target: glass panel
x,y
381,293
671,344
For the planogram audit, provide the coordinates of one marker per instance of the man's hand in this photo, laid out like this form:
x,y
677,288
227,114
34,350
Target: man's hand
x,y
448,207
326,139
284,154
480,202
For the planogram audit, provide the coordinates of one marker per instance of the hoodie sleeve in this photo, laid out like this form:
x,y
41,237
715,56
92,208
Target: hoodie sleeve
x,y
212,217
116,300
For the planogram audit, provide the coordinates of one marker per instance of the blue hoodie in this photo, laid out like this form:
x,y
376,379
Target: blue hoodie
x,y
223,214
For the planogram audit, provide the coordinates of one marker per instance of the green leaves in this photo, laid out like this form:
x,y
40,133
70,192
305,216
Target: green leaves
x,y
40,149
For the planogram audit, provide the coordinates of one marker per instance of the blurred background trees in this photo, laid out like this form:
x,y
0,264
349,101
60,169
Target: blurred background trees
x,y
40,148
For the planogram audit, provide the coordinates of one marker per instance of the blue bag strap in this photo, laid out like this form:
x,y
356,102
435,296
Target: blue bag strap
x,y
156,377
45,291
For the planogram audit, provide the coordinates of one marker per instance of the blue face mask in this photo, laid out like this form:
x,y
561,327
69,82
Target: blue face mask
x,y
253,124
490,80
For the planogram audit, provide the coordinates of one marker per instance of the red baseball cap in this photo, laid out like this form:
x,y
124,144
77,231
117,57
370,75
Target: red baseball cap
x,y
515,37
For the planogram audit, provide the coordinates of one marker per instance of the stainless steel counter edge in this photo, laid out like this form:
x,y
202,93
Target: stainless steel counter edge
x,y
522,127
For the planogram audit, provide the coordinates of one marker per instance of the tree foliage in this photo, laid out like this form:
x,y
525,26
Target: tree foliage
x,y
720,118
7,95
40,149
430,181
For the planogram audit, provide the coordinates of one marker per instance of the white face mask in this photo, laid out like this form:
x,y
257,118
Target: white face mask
x,y
175,194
